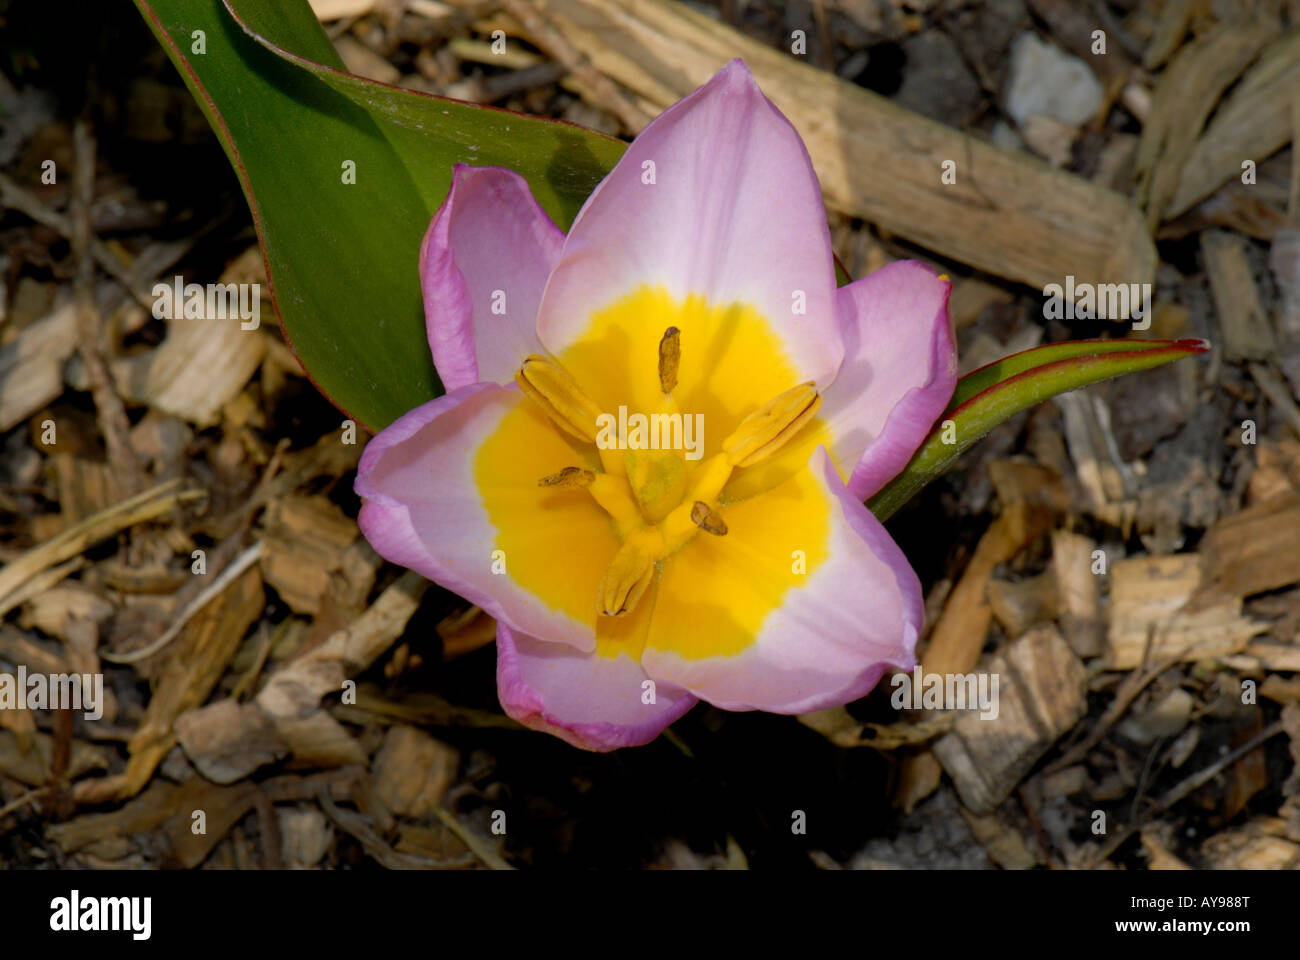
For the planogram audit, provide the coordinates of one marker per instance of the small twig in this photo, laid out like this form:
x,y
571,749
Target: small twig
x,y
1039,832
356,826
1293,201
1194,782
269,827
60,760
504,85
1145,778
1115,28
71,542
269,640
340,27
15,197
678,742
264,492
113,423
22,801
480,847
40,583
1278,394
223,580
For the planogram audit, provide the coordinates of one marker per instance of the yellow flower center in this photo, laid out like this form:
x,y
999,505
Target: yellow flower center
x,y
657,499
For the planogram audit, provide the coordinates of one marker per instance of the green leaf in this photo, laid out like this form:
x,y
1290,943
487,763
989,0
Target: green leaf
x,y
990,395
342,258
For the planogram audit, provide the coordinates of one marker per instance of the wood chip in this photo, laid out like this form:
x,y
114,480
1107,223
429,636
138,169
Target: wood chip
x,y
1041,695
465,632
1078,592
85,486
1263,655
1279,690
1020,604
326,10
1247,334
303,544
1104,474
1252,124
970,297
1259,845
413,771
1171,27
56,610
361,60
1149,597
1184,98
1159,856
199,368
305,836
918,777
318,740
226,741
1005,846
1252,551
31,367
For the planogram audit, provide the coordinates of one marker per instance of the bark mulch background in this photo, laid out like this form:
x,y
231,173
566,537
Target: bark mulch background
x,y
176,506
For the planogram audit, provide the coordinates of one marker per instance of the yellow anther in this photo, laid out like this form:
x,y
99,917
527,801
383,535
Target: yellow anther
x,y
768,429
568,407
708,519
569,477
670,356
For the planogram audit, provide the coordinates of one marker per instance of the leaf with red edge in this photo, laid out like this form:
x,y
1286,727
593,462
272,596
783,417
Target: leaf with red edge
x,y
993,394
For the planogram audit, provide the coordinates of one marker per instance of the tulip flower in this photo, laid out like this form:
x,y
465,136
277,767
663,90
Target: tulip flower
x,y
630,578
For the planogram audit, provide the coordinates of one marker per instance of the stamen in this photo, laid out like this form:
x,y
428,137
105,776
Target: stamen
x,y
569,477
629,573
708,519
670,355
551,386
768,429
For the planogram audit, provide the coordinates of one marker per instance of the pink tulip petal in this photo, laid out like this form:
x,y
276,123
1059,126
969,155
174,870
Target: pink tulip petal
x,y
734,214
593,702
423,509
858,613
490,247
898,374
